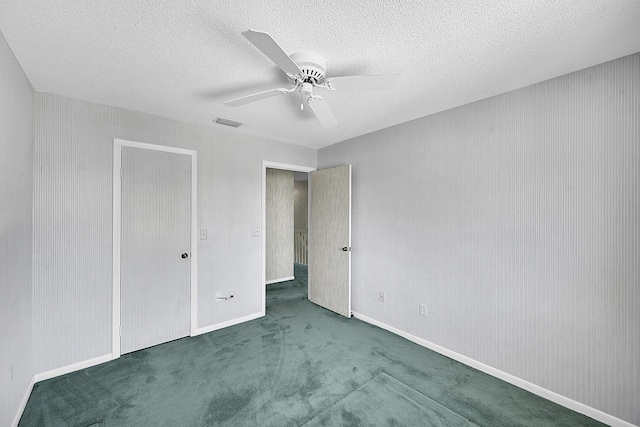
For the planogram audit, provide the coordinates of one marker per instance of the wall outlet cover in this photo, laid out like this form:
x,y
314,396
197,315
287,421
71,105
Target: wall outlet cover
x,y
422,310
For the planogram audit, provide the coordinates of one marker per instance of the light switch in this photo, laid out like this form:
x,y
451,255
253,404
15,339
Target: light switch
x,y
203,234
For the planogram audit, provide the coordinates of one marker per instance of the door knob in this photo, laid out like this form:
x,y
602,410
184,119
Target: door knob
x,y
345,249
184,255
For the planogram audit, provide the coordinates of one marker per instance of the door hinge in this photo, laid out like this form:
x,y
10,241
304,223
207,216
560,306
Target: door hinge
x,y
120,173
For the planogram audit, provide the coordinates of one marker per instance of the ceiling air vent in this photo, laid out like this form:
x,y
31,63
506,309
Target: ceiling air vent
x,y
227,122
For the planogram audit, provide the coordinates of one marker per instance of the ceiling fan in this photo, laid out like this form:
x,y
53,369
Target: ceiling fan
x,y
306,71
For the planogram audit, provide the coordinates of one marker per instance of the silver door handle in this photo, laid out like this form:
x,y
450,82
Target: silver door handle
x,y
184,255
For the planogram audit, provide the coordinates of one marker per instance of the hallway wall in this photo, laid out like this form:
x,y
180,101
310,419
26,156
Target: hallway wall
x,y
279,225
301,204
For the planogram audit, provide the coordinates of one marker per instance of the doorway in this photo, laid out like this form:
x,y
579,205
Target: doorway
x,y
329,208
275,167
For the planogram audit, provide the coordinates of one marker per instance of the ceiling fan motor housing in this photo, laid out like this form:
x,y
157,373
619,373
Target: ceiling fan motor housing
x,y
313,67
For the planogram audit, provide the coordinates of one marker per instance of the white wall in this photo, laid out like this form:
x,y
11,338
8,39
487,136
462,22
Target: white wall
x,y
300,204
279,225
516,220
73,221
16,190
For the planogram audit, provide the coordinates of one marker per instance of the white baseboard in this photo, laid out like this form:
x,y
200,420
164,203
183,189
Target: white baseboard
x,y
226,324
594,413
23,404
72,368
108,357
284,279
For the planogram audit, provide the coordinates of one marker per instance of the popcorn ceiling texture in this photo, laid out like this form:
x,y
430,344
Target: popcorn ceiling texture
x,y
182,59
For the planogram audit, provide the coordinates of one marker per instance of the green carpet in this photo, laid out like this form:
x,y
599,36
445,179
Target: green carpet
x,y
383,400
298,364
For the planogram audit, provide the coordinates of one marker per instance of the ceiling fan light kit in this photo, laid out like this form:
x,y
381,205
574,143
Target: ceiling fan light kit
x,y
306,70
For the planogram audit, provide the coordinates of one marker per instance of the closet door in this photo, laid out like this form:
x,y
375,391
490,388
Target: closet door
x,y
155,248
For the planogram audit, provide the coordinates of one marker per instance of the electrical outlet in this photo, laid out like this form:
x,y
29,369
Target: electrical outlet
x,y
381,296
225,296
422,310
255,231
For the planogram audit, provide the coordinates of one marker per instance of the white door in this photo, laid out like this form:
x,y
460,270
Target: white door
x,y
155,248
330,239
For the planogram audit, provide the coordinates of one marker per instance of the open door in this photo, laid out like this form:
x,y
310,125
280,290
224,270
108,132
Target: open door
x,y
330,239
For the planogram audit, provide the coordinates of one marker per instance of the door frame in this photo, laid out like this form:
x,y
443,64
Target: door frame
x,y
263,270
118,144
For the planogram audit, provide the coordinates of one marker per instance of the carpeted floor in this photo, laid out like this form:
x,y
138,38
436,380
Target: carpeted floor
x,y
298,365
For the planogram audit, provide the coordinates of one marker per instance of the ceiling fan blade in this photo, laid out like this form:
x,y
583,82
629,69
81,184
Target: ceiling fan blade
x,y
255,97
269,47
381,81
322,111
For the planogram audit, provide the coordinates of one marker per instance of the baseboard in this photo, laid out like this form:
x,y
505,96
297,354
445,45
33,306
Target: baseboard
x,y
576,406
284,279
226,324
108,357
72,368
23,404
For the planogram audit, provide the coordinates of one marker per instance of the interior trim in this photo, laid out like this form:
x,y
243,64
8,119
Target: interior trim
x,y
227,323
23,404
72,368
284,279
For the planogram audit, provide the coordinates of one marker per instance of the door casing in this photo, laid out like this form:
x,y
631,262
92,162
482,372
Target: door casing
x,y
271,165
118,144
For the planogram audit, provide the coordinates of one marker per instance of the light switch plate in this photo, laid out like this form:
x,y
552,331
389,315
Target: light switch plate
x,y
203,234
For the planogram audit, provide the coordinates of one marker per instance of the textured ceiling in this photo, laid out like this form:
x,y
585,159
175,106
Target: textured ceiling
x,y
182,58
